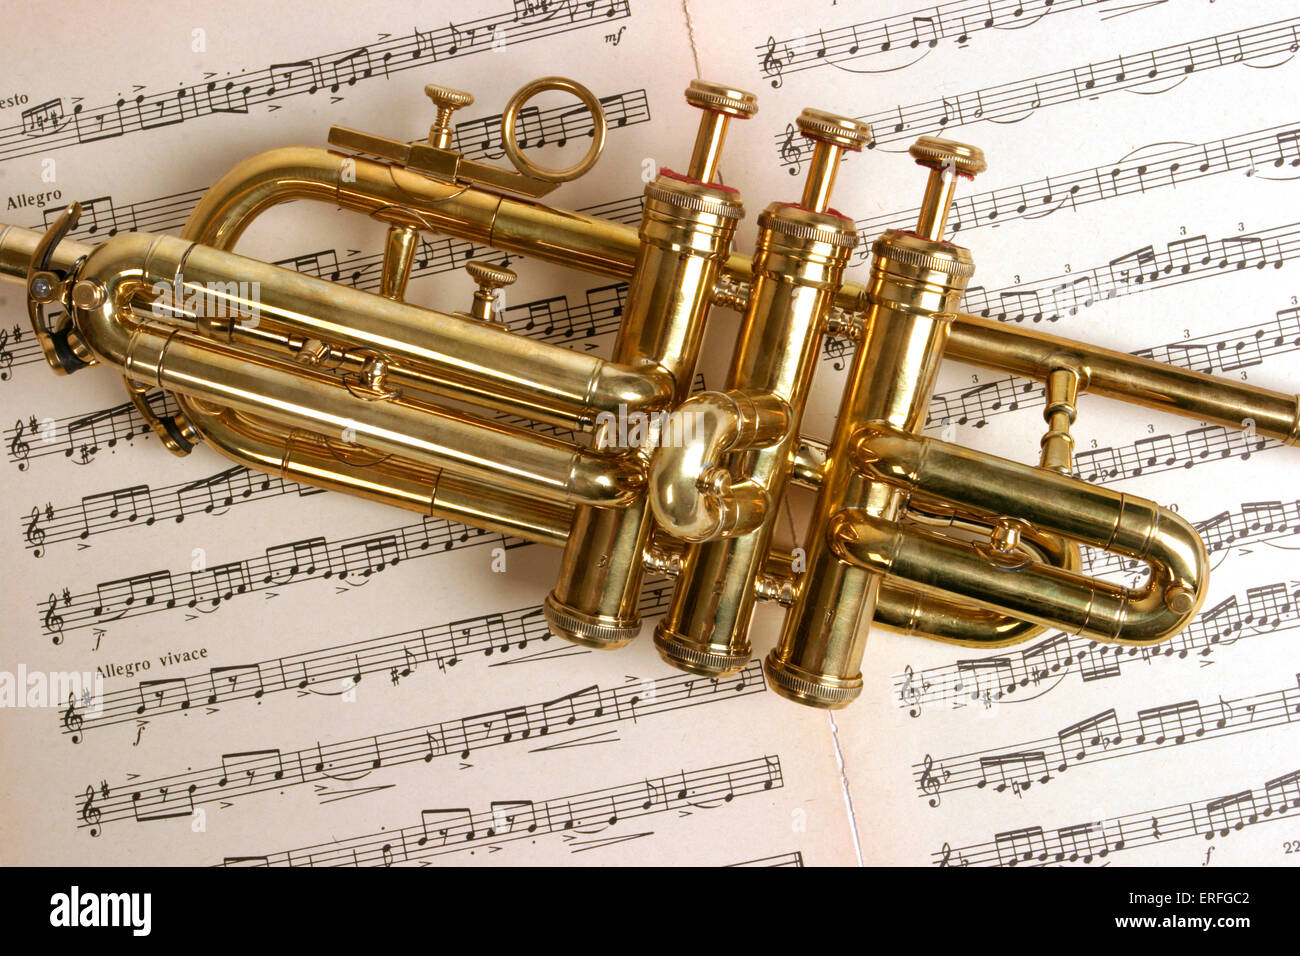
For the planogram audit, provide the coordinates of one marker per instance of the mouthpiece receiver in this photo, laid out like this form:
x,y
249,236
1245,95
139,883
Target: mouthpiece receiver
x,y
719,104
833,135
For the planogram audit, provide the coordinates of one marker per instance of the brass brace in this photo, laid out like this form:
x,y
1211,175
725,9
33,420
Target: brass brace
x,y
1004,550
1060,413
728,293
843,324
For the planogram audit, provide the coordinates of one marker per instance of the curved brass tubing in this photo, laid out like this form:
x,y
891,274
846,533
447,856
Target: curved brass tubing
x,y
398,196
912,611
899,607
1056,504
309,459
693,495
17,244
434,350
916,612
129,266
571,239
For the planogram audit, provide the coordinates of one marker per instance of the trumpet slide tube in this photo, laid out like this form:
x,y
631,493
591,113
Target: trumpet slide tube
x,y
1124,524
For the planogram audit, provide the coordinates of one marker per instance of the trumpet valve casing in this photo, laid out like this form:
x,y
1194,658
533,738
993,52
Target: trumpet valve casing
x,y
685,236
798,266
915,283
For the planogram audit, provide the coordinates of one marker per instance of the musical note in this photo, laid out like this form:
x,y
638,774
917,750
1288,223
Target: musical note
x,y
44,118
1020,846
454,829
162,692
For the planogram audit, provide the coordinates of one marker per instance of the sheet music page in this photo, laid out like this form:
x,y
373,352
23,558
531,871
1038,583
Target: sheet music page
x,y
1141,194
276,675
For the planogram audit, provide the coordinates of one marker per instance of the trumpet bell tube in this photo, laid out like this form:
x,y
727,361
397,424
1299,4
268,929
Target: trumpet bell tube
x,y
374,396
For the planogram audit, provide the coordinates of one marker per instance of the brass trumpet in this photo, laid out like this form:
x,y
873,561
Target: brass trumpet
x,y
331,386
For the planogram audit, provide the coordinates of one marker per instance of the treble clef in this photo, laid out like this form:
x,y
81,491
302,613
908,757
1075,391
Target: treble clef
x,y
6,356
790,153
908,694
90,812
34,533
929,782
772,63
18,449
947,855
72,719
52,621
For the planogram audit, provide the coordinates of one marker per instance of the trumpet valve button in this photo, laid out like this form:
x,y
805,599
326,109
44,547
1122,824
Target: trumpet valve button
x,y
936,153
948,161
719,104
444,97
832,134
834,130
720,98
489,276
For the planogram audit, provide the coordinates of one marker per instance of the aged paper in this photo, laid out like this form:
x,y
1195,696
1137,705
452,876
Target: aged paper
x,y
1141,189
290,677
296,677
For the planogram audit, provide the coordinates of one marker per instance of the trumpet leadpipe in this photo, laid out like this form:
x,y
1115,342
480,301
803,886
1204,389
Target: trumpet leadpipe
x,y
1128,378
